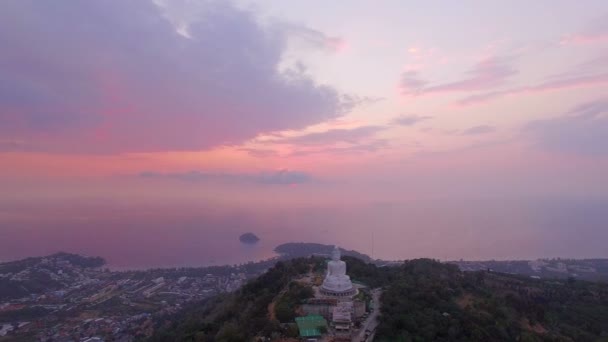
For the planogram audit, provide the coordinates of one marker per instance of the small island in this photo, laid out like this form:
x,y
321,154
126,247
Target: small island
x,y
249,238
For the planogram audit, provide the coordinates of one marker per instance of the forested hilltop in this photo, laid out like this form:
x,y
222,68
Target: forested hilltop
x,y
423,300
239,316
70,296
430,301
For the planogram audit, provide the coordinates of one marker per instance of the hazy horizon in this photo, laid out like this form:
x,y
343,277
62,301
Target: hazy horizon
x,y
148,235
154,132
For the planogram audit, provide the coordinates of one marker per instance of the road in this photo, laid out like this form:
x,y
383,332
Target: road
x,y
372,320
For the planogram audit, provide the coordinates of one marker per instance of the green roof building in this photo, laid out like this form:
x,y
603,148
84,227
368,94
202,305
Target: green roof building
x,y
311,325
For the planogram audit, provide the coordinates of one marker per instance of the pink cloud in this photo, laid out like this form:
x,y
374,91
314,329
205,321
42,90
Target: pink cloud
x,y
126,81
580,131
595,33
553,85
317,39
488,73
409,120
334,136
344,123
337,44
277,177
421,58
580,39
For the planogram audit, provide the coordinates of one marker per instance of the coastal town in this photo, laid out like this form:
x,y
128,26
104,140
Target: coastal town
x,y
65,298
558,268
68,297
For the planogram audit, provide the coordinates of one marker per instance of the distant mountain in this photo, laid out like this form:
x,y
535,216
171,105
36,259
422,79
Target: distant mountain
x,y
305,249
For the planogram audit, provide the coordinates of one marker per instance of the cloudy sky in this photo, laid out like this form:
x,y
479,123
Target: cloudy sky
x,y
252,104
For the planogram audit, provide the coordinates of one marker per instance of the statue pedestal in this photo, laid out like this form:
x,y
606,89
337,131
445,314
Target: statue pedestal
x,y
330,293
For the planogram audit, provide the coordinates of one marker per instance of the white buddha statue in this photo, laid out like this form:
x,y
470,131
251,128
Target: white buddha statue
x,y
336,281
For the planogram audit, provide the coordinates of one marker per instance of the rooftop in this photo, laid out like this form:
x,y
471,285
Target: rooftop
x,y
311,325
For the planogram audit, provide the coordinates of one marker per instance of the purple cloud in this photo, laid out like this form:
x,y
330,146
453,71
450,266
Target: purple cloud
x,y
259,152
547,86
334,136
582,130
589,73
488,73
409,120
411,83
315,38
481,129
280,177
374,145
595,32
115,76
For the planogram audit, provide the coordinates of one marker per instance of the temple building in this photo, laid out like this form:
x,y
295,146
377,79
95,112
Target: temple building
x,y
337,283
335,301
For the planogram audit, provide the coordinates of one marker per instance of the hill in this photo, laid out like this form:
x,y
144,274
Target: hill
x,y
431,301
239,316
423,300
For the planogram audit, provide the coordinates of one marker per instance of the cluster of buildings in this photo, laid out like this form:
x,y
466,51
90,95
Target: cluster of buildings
x,y
573,268
335,311
94,304
585,269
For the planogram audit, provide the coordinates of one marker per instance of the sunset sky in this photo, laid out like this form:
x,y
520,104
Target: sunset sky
x,y
275,105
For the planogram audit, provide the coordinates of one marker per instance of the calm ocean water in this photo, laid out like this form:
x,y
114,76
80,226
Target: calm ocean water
x,y
135,237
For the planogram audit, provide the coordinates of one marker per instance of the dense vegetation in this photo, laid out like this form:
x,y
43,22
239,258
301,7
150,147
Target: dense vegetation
x,y
423,300
286,305
430,301
368,274
240,316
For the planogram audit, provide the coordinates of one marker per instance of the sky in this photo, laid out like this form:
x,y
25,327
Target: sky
x,y
442,112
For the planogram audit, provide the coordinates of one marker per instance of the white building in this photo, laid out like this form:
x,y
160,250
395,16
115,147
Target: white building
x,y
337,283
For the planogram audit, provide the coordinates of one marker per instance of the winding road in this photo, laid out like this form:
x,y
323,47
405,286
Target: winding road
x,y
372,321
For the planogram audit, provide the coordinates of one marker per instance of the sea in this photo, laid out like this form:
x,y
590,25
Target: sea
x,y
141,236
